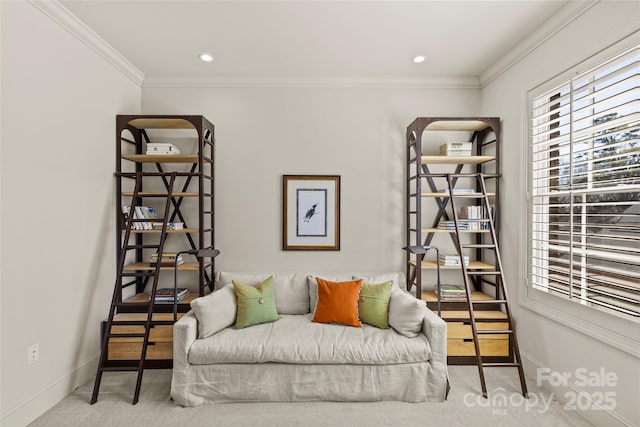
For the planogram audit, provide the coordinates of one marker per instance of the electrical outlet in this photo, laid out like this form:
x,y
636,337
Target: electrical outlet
x,y
33,353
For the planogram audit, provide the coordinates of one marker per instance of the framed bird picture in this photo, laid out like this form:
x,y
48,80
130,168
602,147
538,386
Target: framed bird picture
x,y
311,213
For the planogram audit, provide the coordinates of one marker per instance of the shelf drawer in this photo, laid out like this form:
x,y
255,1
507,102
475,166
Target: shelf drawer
x,y
160,333
133,351
488,347
462,330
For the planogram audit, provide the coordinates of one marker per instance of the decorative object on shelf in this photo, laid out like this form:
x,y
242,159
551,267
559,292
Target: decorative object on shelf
x,y
456,149
421,251
311,212
160,148
198,253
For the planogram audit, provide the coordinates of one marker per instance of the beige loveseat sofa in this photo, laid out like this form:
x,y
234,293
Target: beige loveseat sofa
x,y
294,359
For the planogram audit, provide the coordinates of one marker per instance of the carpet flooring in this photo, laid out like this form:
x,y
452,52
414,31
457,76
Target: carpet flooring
x,y
464,407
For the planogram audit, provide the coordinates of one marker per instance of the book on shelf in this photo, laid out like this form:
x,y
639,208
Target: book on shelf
x,y
479,214
126,212
168,295
170,226
143,212
139,214
460,190
452,260
161,148
464,225
167,260
451,225
453,293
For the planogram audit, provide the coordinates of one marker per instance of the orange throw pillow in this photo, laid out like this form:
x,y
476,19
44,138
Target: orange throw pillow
x,y
338,302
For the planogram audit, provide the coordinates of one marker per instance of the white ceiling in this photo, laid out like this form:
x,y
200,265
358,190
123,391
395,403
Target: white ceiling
x,y
313,39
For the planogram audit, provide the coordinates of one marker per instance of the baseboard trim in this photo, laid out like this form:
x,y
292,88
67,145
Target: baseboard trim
x,y
598,415
33,407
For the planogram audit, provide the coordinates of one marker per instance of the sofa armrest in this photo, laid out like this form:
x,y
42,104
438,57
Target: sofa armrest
x,y
185,332
436,331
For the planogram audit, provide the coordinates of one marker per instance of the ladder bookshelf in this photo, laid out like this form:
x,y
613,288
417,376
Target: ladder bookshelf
x,y
465,187
138,333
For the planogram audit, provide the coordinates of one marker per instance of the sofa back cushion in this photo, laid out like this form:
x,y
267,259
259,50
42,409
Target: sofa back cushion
x,y
215,311
406,313
291,290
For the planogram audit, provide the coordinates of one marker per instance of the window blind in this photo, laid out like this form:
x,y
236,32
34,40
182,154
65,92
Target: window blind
x,y
584,198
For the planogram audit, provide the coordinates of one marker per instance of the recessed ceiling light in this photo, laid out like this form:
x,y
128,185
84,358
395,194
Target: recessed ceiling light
x,y
418,59
206,57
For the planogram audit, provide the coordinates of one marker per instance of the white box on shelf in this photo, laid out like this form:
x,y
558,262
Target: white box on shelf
x,y
456,149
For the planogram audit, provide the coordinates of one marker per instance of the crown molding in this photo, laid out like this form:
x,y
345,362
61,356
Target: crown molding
x,y
63,17
542,34
436,82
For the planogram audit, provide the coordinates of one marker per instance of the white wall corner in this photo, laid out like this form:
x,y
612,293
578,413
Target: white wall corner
x,y
559,21
434,82
62,16
32,408
590,407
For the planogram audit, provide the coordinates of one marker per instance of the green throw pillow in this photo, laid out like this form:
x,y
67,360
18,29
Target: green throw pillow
x,y
256,304
373,304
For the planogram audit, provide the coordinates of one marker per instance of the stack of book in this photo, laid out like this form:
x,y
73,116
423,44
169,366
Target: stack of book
x,y
460,191
170,225
452,293
456,149
448,260
451,225
167,295
161,148
167,259
141,212
477,215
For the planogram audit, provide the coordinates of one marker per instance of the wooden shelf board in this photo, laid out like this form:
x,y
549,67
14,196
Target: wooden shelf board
x,y
184,230
187,266
430,296
161,123
456,160
169,158
442,230
156,194
479,314
473,265
457,125
455,194
138,298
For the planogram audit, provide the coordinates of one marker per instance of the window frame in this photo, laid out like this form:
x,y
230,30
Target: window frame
x,y
619,332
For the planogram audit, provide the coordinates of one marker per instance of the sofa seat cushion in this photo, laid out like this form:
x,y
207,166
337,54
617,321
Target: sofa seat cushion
x,y
295,339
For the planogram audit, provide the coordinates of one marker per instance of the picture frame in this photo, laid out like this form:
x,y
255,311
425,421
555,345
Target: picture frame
x,y
311,213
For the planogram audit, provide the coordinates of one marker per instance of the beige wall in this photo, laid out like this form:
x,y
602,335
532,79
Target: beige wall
x,y
355,132
547,343
59,100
